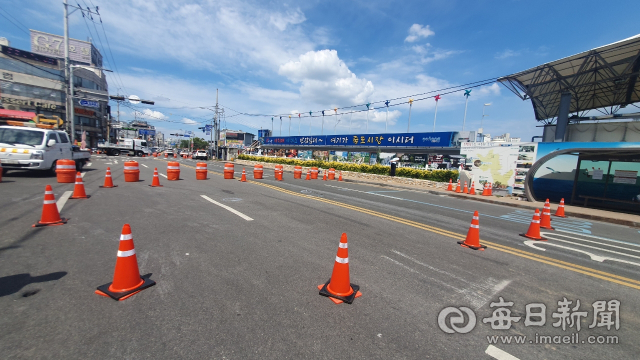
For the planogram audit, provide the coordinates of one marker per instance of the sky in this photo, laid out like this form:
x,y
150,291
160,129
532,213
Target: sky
x,y
272,57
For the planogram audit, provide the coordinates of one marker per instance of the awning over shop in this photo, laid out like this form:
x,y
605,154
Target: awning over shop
x,y
16,114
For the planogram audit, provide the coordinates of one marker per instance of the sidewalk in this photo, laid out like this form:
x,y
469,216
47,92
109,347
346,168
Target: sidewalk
x,y
437,188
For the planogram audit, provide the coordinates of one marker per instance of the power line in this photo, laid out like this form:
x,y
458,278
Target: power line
x,y
23,30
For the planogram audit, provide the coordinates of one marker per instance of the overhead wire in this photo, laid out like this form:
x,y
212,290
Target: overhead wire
x,y
18,26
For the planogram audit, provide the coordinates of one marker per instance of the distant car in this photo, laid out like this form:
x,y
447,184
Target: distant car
x,y
184,152
201,154
169,152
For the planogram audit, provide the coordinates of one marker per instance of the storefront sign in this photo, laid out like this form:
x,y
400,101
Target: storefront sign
x,y
80,111
89,103
31,103
436,139
53,45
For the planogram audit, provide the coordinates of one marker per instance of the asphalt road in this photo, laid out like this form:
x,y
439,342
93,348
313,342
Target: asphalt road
x,y
242,284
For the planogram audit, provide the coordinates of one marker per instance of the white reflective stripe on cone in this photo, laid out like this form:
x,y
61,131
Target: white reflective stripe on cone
x,y
47,202
476,218
343,245
173,167
126,253
79,183
535,221
65,166
200,168
131,168
125,237
342,260
546,213
108,175
48,192
475,226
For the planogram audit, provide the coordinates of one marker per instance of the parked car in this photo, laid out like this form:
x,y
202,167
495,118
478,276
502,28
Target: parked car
x,y
184,152
201,155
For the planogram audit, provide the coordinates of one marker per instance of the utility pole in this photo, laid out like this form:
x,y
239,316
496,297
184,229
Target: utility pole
x,y
69,100
215,126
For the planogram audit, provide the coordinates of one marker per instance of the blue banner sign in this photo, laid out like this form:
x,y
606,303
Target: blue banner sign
x,y
432,139
89,103
147,132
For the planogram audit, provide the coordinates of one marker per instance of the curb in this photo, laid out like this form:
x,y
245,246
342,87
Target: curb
x,y
522,205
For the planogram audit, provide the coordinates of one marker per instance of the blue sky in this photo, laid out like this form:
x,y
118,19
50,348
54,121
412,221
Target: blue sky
x,y
271,57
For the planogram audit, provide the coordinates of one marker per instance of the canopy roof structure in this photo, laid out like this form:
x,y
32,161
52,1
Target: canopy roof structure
x,y
603,78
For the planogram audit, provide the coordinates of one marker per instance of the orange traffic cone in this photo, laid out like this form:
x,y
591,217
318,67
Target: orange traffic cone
x,y
472,190
78,190
534,228
340,177
338,288
50,215
244,176
308,175
545,219
126,278
473,235
108,181
458,190
450,187
490,189
324,177
485,189
465,190
560,210
156,179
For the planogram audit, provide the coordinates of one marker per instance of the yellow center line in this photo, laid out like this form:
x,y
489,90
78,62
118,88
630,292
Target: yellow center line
x,y
621,280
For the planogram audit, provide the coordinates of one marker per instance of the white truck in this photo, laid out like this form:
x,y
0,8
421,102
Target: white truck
x,y
29,148
136,147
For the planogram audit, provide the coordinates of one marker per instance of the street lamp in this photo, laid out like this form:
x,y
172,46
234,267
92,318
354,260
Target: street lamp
x,y
483,115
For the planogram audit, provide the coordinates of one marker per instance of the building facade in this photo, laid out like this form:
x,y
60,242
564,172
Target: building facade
x,y
34,81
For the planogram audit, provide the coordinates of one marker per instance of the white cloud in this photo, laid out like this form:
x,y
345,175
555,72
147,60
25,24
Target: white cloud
x,y
326,80
151,114
493,89
506,54
417,31
281,21
188,121
224,36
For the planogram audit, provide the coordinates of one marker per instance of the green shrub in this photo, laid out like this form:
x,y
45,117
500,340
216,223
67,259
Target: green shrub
x,y
433,175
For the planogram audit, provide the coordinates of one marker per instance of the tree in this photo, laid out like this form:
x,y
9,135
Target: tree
x,y
199,143
184,144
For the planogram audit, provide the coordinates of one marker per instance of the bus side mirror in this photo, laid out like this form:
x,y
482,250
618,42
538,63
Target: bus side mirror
x,y
51,142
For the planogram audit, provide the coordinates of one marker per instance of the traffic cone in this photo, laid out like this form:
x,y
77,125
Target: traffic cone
x,y
50,215
108,181
324,176
490,189
78,190
308,175
156,179
244,176
450,187
338,288
465,190
126,278
473,235
340,177
534,228
458,187
485,189
560,210
472,190
545,219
